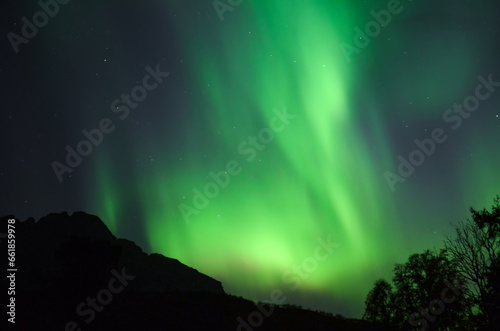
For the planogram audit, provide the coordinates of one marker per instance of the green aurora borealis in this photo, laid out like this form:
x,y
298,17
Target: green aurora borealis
x,y
308,182
322,175
317,178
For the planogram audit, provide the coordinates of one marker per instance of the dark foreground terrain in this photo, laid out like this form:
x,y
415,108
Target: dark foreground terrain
x,y
74,274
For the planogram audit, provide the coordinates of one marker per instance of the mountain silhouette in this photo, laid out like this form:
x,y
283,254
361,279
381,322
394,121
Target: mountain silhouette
x,y
74,274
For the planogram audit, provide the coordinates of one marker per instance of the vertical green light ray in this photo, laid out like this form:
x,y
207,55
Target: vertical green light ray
x,y
107,198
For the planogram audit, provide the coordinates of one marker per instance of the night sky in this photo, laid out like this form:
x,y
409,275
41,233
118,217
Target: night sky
x,y
236,139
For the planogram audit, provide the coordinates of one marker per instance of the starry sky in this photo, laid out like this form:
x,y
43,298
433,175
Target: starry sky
x,y
241,136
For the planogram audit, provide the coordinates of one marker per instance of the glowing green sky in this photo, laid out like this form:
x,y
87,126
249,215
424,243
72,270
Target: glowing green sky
x,y
320,176
309,182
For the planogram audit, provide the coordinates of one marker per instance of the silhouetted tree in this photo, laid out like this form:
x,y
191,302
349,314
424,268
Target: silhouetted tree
x,y
475,249
378,303
429,293
426,295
